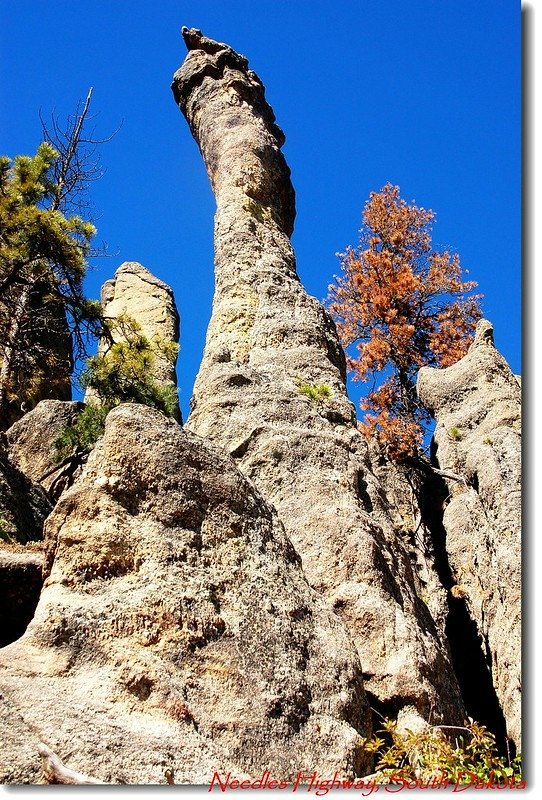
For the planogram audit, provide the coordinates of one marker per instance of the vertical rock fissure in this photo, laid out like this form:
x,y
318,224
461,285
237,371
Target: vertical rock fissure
x,y
271,391
466,647
477,405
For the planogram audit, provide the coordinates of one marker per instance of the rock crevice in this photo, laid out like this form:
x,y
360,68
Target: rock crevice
x,y
477,405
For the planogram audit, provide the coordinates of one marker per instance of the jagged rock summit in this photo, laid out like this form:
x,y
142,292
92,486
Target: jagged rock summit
x,y
176,628
271,391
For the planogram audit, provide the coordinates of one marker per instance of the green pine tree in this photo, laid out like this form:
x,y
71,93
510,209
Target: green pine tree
x,y
42,265
123,373
45,319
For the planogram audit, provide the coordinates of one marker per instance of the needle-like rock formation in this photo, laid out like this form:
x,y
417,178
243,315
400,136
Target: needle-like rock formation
x,y
477,405
271,391
136,293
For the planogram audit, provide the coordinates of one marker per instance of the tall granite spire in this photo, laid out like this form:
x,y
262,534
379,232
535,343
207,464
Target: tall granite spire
x,y
136,293
271,391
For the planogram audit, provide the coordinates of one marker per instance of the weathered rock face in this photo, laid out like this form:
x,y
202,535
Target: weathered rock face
x,y
136,293
176,628
31,442
24,505
269,345
476,403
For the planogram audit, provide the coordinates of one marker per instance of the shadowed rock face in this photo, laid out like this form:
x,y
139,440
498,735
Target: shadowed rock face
x,y
20,586
138,294
268,342
477,405
31,442
175,628
24,505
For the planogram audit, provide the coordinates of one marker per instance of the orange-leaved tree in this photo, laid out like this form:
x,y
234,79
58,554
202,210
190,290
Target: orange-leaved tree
x,y
403,305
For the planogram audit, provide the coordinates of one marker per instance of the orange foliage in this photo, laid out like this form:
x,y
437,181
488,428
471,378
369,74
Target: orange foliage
x,y
403,305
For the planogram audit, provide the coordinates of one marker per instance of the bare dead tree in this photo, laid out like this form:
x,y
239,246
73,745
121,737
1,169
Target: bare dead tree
x,y
79,162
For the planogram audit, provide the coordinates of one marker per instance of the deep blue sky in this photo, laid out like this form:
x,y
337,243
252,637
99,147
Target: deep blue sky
x,y
422,93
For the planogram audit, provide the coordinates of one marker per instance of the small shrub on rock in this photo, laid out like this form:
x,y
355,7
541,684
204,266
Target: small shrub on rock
x,y
460,755
124,373
316,391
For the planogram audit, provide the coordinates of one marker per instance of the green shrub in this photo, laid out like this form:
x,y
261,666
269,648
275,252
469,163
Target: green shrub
x,y
84,433
122,374
316,391
461,755
455,434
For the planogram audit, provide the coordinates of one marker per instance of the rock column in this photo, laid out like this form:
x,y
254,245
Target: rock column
x,y
136,293
271,391
46,371
477,405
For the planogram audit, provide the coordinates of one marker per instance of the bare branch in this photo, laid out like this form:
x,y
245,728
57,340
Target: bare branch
x,y
78,163
54,770
73,144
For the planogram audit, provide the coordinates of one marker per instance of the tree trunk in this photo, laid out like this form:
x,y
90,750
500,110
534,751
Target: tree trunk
x,y
10,351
